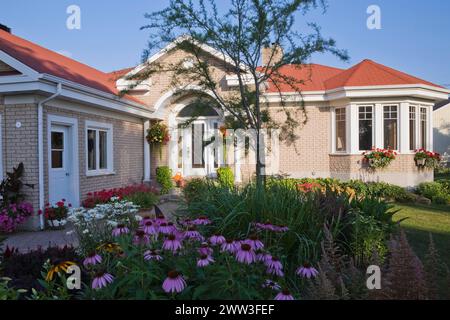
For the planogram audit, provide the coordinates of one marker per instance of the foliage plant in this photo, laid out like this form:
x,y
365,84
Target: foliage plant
x,y
427,159
437,192
164,178
158,134
8,293
379,158
11,186
225,176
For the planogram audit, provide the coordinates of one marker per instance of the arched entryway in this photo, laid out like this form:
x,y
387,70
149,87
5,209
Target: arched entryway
x,y
197,124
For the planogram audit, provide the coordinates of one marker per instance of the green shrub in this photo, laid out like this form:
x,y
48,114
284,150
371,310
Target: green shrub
x,y
225,177
144,200
164,178
194,189
435,191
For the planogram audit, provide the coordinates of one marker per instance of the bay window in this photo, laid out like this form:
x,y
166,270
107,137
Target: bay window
x,y
390,115
99,149
365,127
341,135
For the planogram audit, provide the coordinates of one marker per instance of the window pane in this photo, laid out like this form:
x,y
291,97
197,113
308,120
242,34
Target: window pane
x,y
412,128
365,128
340,130
57,140
92,145
103,146
180,146
198,132
390,127
423,128
57,159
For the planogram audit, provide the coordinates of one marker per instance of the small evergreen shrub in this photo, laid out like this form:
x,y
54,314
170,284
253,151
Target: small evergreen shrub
x,y
435,191
164,178
226,177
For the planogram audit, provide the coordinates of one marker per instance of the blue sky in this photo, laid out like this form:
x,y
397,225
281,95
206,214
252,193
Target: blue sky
x,y
414,37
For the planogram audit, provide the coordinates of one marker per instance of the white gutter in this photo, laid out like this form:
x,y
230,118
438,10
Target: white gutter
x,y
41,151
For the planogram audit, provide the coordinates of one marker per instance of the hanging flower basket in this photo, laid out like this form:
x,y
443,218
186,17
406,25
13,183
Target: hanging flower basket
x,y
379,158
427,159
158,135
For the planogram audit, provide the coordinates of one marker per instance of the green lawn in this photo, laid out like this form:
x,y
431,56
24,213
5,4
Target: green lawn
x,y
423,220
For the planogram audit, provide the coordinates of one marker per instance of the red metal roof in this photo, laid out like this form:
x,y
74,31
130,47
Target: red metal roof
x,y
46,61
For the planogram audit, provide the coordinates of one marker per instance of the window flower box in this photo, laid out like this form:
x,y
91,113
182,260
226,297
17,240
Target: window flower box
x,y
427,159
379,158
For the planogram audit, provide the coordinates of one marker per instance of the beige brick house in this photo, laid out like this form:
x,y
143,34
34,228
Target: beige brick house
x,y
75,133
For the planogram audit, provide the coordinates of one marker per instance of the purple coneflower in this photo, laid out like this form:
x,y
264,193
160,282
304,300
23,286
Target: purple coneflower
x,y
217,239
164,228
202,221
245,254
284,295
149,227
152,255
93,259
271,285
174,282
205,249
120,230
261,256
254,242
281,229
160,219
265,226
274,266
307,271
192,233
172,243
229,246
101,280
141,238
204,261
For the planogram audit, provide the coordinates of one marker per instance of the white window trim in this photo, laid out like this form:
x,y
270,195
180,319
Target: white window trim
x,y
333,131
373,124
1,147
398,124
93,125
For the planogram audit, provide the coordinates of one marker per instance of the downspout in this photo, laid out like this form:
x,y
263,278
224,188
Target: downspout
x,y
41,151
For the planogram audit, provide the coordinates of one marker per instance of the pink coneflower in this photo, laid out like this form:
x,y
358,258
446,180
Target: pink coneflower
x,y
217,239
261,256
101,280
149,227
245,254
204,261
120,230
164,228
193,234
152,255
284,295
264,226
229,246
274,266
307,271
160,219
172,243
141,238
93,259
174,282
269,284
281,229
205,249
202,221
254,242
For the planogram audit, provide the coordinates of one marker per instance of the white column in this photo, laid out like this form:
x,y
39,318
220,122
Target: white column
x,y
404,127
352,129
378,123
147,170
430,144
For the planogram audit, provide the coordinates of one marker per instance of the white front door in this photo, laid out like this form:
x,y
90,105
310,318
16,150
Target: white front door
x,y
61,164
197,157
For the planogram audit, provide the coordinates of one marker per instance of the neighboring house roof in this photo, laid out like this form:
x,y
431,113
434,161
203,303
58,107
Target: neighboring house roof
x,y
115,75
441,104
45,61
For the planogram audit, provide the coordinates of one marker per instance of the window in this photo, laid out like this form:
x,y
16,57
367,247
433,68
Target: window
x,y
198,147
365,128
412,128
390,127
99,148
57,149
423,128
180,146
341,140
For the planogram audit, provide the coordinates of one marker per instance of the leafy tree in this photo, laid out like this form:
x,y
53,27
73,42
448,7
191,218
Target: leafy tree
x,y
239,31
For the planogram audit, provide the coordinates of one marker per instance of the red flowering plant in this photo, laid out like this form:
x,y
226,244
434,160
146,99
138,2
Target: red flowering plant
x,y
427,159
104,196
379,158
56,215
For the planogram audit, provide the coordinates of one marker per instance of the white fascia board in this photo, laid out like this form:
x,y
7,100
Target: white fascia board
x,y
19,66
